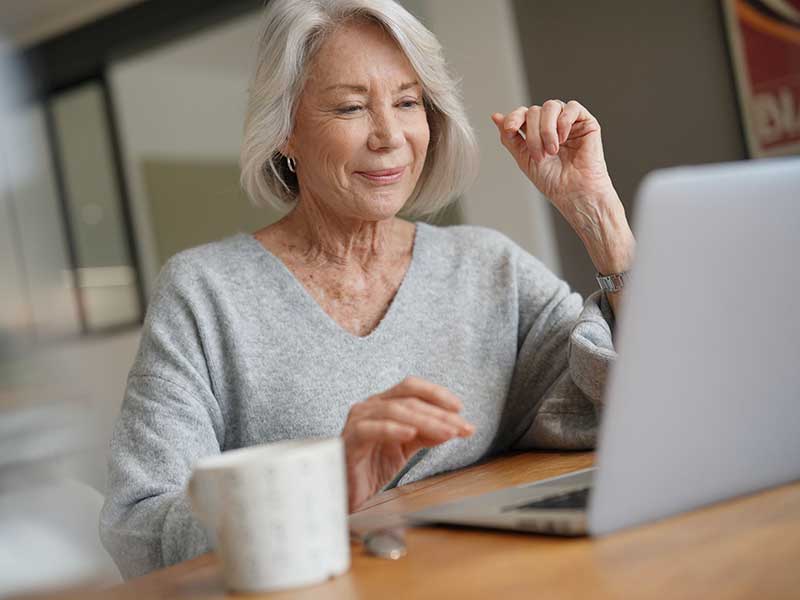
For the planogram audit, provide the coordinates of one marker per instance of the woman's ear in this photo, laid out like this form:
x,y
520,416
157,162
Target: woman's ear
x,y
287,148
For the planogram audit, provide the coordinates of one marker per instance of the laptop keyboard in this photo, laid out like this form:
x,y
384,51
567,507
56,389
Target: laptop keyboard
x,y
575,499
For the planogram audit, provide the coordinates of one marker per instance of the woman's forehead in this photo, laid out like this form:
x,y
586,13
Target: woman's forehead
x,y
356,54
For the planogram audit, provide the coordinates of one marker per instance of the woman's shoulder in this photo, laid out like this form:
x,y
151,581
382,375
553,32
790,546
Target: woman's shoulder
x,y
473,242
464,237
485,249
222,261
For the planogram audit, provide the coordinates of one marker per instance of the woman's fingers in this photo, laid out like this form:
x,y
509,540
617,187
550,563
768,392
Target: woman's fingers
x,y
427,391
523,120
451,419
514,121
548,131
385,430
538,131
533,136
382,430
570,113
414,404
512,140
378,430
426,418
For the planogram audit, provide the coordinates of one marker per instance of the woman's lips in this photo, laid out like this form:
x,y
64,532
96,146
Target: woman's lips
x,y
384,176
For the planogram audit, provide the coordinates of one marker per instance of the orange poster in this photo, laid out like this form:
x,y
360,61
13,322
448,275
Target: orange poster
x,y
764,40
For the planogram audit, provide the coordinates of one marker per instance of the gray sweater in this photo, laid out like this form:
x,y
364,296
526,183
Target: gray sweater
x,y
235,352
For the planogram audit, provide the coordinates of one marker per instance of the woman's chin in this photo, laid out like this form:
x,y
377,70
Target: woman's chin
x,y
379,207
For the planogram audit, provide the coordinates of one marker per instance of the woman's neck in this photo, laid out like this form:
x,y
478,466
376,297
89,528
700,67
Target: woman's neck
x,y
319,237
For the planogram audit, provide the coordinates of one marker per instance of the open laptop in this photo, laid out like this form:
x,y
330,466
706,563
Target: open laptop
x,y
704,401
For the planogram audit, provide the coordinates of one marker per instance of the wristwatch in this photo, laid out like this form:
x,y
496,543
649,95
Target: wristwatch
x,y
612,283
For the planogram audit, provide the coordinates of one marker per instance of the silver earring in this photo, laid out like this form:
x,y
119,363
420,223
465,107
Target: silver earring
x,y
291,163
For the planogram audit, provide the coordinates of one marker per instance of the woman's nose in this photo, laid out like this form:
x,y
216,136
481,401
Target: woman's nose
x,y
387,132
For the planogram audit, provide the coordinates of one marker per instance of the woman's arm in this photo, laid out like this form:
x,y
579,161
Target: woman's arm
x,y
146,522
559,148
169,418
565,350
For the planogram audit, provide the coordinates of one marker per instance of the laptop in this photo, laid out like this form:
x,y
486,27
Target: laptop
x,y
703,403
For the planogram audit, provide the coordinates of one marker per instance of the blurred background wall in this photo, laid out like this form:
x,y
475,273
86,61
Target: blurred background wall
x,y
656,74
180,106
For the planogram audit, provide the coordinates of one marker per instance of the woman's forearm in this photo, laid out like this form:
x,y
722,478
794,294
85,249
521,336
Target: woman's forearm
x,y
604,230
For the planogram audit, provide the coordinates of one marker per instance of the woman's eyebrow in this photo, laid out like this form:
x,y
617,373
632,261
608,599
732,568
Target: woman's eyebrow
x,y
361,89
408,85
347,86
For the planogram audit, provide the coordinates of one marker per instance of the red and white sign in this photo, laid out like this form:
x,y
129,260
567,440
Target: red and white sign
x,y
765,43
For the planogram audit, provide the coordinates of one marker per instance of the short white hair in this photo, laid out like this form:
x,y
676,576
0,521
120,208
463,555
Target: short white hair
x,y
292,32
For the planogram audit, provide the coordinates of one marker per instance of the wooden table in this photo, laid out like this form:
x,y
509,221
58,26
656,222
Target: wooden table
x,y
744,548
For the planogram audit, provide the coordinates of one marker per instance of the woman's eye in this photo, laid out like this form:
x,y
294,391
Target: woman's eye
x,y
409,103
348,110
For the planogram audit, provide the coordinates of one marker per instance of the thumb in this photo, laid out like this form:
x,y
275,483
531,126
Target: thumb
x,y
513,141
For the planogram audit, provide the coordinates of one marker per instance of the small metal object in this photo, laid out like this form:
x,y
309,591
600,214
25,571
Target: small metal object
x,y
614,282
386,543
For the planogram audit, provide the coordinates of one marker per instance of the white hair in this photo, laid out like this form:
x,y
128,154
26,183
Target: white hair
x,y
292,32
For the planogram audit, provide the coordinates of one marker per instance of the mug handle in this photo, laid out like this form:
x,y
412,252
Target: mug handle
x,y
205,513
194,496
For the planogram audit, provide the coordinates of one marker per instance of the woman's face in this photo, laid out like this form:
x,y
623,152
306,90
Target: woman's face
x,y
361,133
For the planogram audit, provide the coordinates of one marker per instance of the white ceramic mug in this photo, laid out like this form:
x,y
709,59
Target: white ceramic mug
x,y
276,514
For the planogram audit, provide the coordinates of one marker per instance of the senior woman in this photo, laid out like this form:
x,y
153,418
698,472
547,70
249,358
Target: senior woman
x,y
424,348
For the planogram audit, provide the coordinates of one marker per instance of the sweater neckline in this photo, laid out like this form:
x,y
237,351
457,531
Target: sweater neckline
x,y
315,311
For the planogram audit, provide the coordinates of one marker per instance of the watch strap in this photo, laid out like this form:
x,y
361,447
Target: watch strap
x,y
612,283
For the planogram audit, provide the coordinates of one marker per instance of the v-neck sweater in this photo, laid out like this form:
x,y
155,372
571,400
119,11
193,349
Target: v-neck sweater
x,y
236,352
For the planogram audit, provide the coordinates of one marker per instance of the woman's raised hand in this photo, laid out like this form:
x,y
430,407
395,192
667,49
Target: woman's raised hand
x,y
383,432
558,147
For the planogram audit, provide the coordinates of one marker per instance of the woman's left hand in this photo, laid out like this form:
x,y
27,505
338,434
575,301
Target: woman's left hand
x,y
559,148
